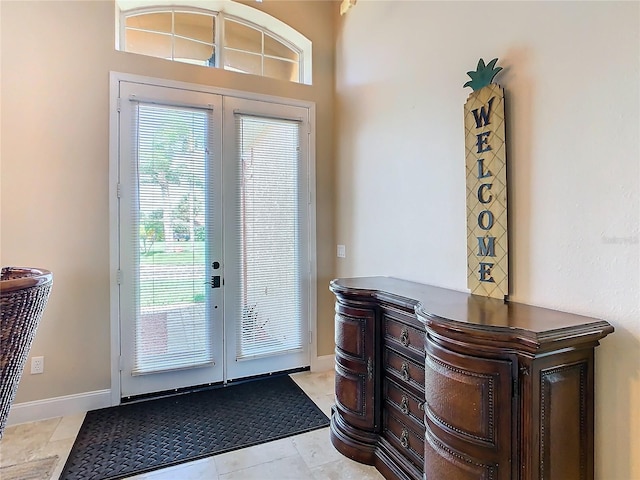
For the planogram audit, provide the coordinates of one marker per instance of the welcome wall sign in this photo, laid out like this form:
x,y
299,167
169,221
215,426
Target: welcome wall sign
x,y
486,169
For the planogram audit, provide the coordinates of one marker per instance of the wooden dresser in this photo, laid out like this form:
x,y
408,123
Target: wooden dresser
x,y
442,385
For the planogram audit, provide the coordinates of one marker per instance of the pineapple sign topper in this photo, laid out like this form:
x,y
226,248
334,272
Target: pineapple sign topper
x,y
486,169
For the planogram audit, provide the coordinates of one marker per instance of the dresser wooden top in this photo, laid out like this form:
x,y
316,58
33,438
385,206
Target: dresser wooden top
x,y
443,309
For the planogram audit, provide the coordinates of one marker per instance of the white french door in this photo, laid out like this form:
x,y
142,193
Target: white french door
x,y
266,237
213,255
170,219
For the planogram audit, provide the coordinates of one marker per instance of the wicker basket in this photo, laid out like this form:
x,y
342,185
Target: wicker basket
x,y
23,296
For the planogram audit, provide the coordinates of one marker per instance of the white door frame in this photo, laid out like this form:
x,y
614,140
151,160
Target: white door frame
x,y
115,79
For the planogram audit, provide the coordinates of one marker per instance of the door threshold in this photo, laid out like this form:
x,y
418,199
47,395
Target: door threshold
x,y
207,386
270,374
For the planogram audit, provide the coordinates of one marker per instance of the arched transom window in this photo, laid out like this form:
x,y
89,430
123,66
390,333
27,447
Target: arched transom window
x,y
225,35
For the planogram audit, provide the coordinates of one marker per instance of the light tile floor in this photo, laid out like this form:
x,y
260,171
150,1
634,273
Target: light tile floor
x,y
307,456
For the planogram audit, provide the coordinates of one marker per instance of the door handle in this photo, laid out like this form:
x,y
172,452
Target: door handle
x,y
215,281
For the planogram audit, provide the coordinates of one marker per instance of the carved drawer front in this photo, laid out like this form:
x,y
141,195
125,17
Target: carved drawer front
x,y
352,330
406,405
407,372
469,403
403,337
404,438
443,463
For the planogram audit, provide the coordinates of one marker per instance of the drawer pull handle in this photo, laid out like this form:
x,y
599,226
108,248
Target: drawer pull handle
x,y
404,438
404,337
404,405
421,406
404,370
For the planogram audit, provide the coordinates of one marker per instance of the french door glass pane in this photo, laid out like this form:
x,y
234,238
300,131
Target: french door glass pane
x,y
172,326
270,291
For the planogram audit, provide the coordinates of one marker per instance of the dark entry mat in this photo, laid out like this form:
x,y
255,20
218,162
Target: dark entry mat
x,y
129,439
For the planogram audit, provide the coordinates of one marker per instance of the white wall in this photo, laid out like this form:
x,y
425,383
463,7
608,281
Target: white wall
x,y
572,79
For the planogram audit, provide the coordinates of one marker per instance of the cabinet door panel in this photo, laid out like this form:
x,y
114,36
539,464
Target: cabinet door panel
x,y
469,403
355,356
443,463
350,334
565,452
352,392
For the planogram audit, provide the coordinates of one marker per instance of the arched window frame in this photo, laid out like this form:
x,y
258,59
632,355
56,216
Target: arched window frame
x,y
222,10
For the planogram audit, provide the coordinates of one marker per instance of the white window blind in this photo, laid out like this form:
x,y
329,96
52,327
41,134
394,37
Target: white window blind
x,y
269,237
169,238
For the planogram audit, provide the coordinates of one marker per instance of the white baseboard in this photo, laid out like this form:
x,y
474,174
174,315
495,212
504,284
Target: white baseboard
x,y
323,363
58,406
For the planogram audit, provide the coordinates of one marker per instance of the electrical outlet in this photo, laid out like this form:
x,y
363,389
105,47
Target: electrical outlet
x,y
37,365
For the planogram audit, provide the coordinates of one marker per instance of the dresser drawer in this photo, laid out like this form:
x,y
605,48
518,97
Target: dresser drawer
x,y
406,441
405,404
406,372
404,337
